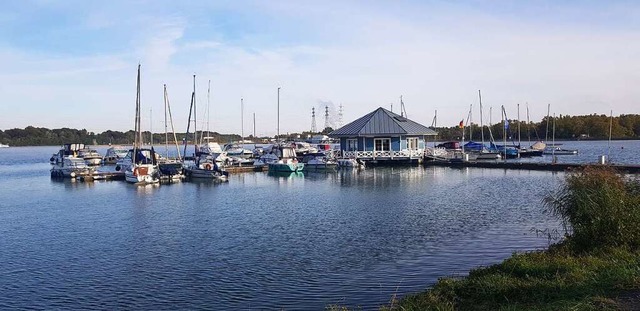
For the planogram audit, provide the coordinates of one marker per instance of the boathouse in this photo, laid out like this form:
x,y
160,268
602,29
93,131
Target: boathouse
x,y
383,137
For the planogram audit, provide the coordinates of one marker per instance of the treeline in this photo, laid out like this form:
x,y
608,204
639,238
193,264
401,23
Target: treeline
x,y
39,136
566,128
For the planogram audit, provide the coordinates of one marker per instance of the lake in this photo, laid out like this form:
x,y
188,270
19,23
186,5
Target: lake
x,y
296,242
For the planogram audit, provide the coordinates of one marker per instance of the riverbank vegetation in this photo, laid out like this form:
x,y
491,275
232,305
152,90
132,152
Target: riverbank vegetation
x,y
567,127
595,267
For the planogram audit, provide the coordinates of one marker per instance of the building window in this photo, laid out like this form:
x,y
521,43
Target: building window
x,y
382,144
352,144
412,143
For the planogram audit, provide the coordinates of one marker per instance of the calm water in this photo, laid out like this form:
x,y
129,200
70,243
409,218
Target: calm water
x,y
296,242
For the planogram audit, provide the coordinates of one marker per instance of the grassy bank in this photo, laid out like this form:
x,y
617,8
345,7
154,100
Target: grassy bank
x,y
595,267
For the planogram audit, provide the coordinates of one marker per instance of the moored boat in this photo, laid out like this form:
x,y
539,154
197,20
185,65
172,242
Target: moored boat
x,y
90,156
319,161
114,154
70,167
288,161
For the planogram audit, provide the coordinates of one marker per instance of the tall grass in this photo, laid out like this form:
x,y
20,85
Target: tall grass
x,y
599,208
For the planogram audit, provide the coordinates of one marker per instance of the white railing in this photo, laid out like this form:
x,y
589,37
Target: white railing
x,y
384,154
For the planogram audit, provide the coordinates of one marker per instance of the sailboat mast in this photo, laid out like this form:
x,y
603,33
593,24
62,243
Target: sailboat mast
x,y
242,121
173,130
481,124
278,125
138,134
208,109
529,127
166,132
254,126
186,135
519,142
546,133
610,130
151,126
195,115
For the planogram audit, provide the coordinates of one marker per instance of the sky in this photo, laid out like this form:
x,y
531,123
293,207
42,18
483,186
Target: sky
x,y
73,63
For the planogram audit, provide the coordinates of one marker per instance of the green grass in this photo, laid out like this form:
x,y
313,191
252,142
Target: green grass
x,y
548,280
598,259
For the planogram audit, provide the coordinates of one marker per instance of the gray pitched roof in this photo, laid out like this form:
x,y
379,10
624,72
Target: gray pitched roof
x,y
381,122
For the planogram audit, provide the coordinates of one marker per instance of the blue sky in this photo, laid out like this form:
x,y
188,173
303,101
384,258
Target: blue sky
x,y
73,63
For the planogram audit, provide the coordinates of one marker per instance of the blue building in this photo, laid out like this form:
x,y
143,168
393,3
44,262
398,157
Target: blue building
x,y
382,137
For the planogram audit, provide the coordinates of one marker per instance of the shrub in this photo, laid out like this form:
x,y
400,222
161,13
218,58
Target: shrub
x,y
599,208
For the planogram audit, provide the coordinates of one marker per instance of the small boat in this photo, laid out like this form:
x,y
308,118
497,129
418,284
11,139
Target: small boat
x,y
288,161
304,148
319,161
70,167
90,156
554,150
3,145
114,154
234,150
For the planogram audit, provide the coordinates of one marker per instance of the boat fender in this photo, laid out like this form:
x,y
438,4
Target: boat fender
x,y
117,167
207,166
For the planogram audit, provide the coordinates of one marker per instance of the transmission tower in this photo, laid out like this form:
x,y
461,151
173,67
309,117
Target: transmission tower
x,y
340,116
326,116
313,120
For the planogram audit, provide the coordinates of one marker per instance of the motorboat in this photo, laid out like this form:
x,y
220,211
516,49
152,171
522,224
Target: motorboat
x,y
235,150
319,161
555,150
3,145
70,167
205,167
90,156
114,154
303,148
67,150
288,161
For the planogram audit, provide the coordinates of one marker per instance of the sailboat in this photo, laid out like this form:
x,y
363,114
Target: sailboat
x,y
204,165
170,169
143,167
288,162
480,150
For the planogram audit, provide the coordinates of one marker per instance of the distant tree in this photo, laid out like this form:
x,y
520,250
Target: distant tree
x,y
327,130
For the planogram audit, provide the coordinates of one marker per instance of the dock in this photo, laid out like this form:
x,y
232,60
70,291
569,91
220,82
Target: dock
x,y
532,166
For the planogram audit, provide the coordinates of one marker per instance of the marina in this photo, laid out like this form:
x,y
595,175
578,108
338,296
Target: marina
x,y
260,241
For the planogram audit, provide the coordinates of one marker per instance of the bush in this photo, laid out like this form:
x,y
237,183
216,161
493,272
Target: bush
x,y
599,208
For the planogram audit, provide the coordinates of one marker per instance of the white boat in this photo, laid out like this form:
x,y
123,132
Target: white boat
x,y
319,161
235,150
143,168
67,150
70,167
554,150
303,148
3,146
90,156
114,154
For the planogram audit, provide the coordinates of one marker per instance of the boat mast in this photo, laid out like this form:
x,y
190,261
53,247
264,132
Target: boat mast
x,y
505,124
242,121
138,135
175,139
610,130
546,133
469,122
481,124
553,152
166,132
151,126
528,127
278,125
191,109
208,110
519,138
254,126
195,115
